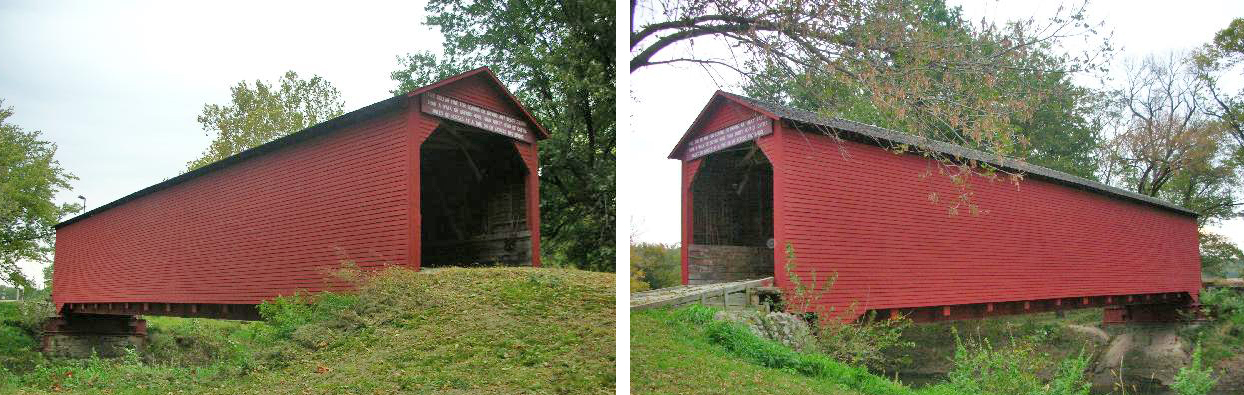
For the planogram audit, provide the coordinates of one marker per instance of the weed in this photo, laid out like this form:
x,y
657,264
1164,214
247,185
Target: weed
x,y
876,344
869,342
743,343
981,368
1224,337
696,314
1194,379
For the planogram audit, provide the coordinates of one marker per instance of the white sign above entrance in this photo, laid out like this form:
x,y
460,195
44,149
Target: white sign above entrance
x,y
473,115
729,136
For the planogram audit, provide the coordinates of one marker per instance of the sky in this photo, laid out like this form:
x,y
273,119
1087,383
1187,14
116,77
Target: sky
x,y
117,85
666,99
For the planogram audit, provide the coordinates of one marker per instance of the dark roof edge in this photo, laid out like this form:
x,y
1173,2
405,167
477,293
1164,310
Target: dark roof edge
x,y
320,129
879,133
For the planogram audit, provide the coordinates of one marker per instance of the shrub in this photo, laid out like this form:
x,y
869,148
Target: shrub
x,y
1194,379
655,265
740,341
980,368
1224,336
285,314
1069,379
696,314
33,312
869,342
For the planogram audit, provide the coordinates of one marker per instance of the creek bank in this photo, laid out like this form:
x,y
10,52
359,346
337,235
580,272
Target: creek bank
x,y
1143,358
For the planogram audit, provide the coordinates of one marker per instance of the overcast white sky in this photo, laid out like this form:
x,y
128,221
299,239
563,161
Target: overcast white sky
x,y
666,99
117,85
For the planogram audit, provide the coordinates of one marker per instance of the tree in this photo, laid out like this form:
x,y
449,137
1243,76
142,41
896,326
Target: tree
x,y
265,112
1166,132
30,176
47,276
1061,134
1222,55
1219,257
655,265
420,69
559,57
1209,187
912,66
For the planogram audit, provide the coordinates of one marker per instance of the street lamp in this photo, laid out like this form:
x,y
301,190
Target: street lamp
x,y
83,203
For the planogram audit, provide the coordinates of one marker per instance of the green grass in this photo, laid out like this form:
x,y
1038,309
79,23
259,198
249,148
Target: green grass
x,y
685,351
498,330
670,355
936,344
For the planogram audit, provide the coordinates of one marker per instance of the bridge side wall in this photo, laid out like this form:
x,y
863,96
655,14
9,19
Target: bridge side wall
x,y
883,224
275,223
266,226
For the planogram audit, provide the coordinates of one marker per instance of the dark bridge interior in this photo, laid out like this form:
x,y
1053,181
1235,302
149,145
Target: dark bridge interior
x,y
732,208
472,199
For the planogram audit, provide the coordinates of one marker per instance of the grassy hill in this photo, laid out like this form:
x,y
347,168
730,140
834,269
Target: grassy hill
x,y
496,330
672,355
685,351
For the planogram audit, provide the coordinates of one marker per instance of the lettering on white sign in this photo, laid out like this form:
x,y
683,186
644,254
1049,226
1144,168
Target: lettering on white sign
x,y
729,136
470,114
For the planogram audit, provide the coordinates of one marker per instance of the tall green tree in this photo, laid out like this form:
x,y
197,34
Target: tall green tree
x,y
1062,134
422,68
1169,146
264,112
1219,257
30,176
912,66
558,58
1220,57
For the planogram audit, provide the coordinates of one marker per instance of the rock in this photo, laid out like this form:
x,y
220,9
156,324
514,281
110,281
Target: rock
x,y
1143,354
1096,334
784,328
1230,373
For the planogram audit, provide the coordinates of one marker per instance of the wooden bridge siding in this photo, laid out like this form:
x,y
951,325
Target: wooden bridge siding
x,y
480,91
689,169
531,158
867,216
251,231
274,224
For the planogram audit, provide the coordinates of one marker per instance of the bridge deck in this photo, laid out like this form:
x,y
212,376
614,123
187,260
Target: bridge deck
x,y
728,294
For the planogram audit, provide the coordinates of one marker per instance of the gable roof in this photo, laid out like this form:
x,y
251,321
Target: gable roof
x,y
880,135
317,130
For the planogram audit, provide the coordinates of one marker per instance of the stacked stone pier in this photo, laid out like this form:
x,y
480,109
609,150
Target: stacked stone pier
x,y
81,335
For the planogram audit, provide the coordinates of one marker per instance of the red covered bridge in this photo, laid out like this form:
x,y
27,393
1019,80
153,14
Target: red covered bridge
x,y
758,177
443,175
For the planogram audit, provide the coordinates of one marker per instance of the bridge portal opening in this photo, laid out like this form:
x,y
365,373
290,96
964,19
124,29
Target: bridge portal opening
x,y
732,217
472,199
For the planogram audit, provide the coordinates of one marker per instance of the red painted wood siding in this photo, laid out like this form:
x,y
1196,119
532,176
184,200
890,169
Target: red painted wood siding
x,y
689,168
530,155
864,213
276,223
263,227
480,91
867,217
